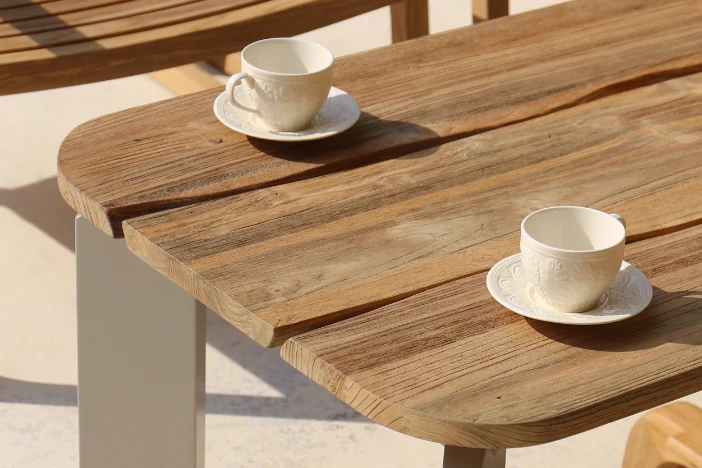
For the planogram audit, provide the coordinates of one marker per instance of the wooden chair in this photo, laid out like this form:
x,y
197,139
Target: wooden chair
x,y
666,437
48,44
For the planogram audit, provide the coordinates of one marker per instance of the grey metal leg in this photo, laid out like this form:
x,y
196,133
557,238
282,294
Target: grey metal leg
x,y
141,361
462,457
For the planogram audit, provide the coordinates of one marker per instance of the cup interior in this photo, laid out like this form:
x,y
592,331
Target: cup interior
x,y
288,56
573,228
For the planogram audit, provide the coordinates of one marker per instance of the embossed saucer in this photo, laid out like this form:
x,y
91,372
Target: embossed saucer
x,y
339,113
629,294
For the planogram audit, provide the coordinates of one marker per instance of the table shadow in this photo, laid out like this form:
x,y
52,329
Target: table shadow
x,y
40,203
302,398
671,317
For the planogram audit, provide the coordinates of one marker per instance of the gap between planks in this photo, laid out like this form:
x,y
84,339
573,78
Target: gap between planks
x,y
214,241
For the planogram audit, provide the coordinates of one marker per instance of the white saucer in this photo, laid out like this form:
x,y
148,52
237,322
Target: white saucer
x,y
339,113
628,295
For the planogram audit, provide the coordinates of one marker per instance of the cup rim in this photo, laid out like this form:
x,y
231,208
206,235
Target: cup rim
x,y
287,39
621,239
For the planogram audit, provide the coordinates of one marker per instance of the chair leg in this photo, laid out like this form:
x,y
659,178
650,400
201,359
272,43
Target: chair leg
x,y
669,436
462,457
410,19
229,64
186,79
141,361
484,10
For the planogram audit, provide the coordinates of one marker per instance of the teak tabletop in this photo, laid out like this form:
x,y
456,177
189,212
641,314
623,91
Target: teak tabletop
x,y
279,261
367,252
452,365
413,95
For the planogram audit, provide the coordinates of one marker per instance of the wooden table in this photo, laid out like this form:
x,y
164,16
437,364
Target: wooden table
x,y
365,255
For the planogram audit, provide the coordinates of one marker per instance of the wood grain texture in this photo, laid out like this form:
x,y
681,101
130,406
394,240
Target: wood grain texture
x,y
144,21
180,42
31,10
11,4
279,261
452,365
670,436
176,153
94,15
409,19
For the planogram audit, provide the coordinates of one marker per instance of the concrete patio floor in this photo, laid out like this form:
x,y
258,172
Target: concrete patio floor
x,y
260,411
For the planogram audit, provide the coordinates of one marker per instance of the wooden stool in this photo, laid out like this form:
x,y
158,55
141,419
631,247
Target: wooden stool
x,y
669,436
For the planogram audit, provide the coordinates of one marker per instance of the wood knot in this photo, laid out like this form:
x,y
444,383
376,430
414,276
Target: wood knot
x,y
217,140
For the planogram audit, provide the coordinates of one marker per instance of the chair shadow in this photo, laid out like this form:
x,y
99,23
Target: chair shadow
x,y
671,317
303,398
24,16
41,204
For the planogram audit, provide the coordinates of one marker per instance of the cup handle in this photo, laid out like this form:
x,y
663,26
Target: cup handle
x,y
619,218
233,80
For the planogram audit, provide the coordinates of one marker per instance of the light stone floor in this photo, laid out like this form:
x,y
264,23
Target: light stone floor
x,y
260,412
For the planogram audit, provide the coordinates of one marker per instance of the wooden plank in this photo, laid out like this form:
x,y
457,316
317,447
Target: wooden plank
x,y
409,19
453,366
278,261
143,22
10,4
82,17
48,9
413,95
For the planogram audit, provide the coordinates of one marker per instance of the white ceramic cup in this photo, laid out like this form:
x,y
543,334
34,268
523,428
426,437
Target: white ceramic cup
x,y
286,81
571,254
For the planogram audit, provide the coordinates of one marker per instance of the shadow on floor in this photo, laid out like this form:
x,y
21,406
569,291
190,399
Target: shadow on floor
x,y
41,204
303,398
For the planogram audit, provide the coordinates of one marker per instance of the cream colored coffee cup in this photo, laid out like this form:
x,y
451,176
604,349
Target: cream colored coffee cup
x,y
571,254
286,82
